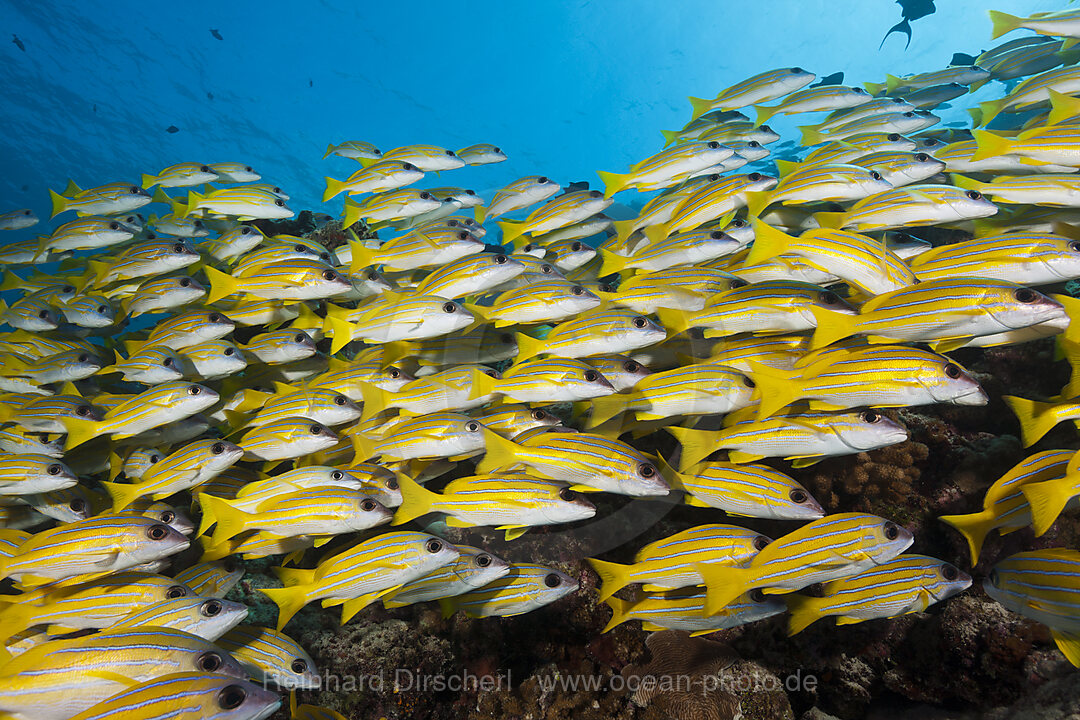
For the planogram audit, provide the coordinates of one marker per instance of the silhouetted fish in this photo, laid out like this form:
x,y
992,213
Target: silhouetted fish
x,y
836,78
15,39
962,59
216,34
911,10
172,129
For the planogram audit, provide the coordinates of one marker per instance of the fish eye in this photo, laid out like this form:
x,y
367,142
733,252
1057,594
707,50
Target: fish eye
x,y
499,259
391,484
949,572
245,230
114,226
179,247
53,469
712,145
552,580
449,307
136,190
875,175
84,358
368,505
798,496
631,366
506,339
995,578
27,212
909,114
425,196
1075,245
757,596
754,177
748,381
765,128
736,283
591,376
408,166
858,91
44,314
217,448
577,290
595,194
575,247
797,71
541,180
211,608
922,157
101,309
869,416
760,542
539,415
952,370
329,275
470,192
472,427
483,560
154,458
247,168
639,322
231,565
462,235
339,400
229,351
68,289
714,177
231,697
214,318
194,390
82,410
646,470
157,532
753,144
1026,295
167,516
528,248
176,591
829,298
315,429
973,195
892,137
299,248
167,362
372,275
891,531
185,282
451,153
567,494
547,269
716,235
433,546
393,372
279,202
491,373
79,505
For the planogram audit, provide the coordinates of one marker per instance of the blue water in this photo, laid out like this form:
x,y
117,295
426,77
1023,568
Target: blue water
x,y
563,88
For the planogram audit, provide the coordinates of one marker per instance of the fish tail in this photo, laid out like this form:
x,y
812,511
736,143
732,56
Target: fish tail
x,y
329,151
291,577
619,612
498,453
831,327
1003,23
11,281
148,181
891,83
611,263
362,257
222,285
613,182
375,400
363,447
333,189
1036,418
769,242
756,202
812,135
987,111
416,500
123,494
482,384
1062,107
290,600
987,144
700,106
59,203
511,231
71,189
352,214
528,347
350,607
656,233
773,390
1069,645
366,162
340,330
182,210
230,521
723,584
696,445
830,220
213,552
674,321
613,577
1047,499
624,229
974,527
80,431
764,112
605,408
804,612
480,213
874,88
670,136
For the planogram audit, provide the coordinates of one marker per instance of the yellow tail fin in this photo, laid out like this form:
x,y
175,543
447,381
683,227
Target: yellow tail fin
x,y
123,494
333,189
1069,645
416,500
611,263
723,585
620,612
832,327
1047,499
696,445
1062,108
764,112
768,243
613,577
290,600
804,612
511,231
613,182
811,135
1036,418
1003,23
701,106
528,347
987,144
499,453
974,527
221,285
59,203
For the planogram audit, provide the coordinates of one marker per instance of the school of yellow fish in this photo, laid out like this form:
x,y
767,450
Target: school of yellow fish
x,y
765,316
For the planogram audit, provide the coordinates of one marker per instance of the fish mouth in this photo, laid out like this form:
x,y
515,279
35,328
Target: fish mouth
x,y
975,396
